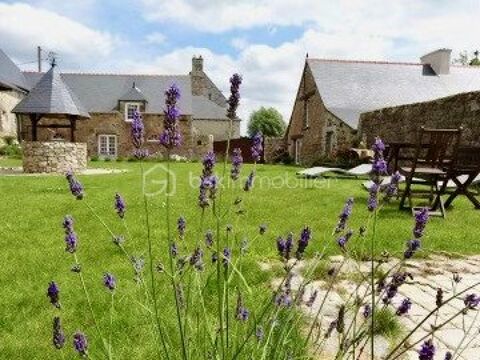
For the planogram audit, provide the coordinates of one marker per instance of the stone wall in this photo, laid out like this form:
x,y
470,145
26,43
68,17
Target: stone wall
x,y
273,147
203,85
53,157
323,134
401,123
217,128
88,131
8,100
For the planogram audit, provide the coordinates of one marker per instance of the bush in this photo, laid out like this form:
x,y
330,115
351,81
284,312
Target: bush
x,y
11,150
94,158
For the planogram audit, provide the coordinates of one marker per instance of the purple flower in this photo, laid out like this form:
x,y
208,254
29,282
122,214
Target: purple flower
x,y
71,242
404,307
367,311
234,99
312,298
181,224
58,337
137,130
53,292
170,137
262,229
196,260
80,344
173,249
109,281
378,146
421,219
372,202
208,181
257,146
471,301
227,254
209,238
427,351
208,163
281,246
412,247
249,182
344,215
448,355
380,166
141,153
237,161
68,223
392,188
242,312
120,206
305,237
76,187
283,299
342,240
288,246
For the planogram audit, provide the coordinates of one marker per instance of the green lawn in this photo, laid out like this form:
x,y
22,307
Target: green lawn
x,y
32,246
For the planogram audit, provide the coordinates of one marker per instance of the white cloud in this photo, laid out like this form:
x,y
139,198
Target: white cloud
x,y
23,27
155,38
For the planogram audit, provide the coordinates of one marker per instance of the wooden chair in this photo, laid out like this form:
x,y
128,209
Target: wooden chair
x,y
434,156
467,163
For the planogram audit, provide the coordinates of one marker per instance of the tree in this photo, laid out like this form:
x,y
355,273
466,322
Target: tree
x,y
464,58
268,121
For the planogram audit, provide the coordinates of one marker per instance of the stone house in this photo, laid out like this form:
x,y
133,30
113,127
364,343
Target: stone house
x,y
111,99
13,87
333,94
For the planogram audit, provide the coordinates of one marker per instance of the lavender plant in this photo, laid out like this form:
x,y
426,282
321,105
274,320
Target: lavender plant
x,y
201,305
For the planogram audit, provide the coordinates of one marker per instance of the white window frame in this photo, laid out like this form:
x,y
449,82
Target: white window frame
x,y
297,147
108,138
127,104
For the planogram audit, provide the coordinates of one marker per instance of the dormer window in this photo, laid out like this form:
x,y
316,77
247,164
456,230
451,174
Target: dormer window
x,y
130,108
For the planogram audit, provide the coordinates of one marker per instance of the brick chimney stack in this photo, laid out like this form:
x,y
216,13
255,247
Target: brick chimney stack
x,y
439,61
197,63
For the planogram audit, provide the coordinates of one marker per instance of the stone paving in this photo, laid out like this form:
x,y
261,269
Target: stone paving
x,y
428,275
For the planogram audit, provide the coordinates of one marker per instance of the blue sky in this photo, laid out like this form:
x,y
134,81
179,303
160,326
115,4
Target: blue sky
x,y
265,41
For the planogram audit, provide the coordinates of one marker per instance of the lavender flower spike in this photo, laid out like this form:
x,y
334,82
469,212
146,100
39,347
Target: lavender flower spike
x,y
71,242
241,311
75,187
257,146
421,219
249,182
109,281
120,206
427,351
58,337
181,224
404,307
234,99
344,215
305,237
237,161
80,344
170,137
53,292
68,223
137,130
209,238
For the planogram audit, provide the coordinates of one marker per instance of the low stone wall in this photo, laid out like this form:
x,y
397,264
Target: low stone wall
x,y
53,157
401,123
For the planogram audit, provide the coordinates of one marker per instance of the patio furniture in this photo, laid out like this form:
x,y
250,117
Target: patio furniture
x,y
465,172
433,163
317,171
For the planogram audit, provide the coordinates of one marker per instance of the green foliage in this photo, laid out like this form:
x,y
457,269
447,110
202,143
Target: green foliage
x,y
11,149
387,324
465,58
268,121
94,158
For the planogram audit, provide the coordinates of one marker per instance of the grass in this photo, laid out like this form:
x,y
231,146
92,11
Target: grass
x,y
32,247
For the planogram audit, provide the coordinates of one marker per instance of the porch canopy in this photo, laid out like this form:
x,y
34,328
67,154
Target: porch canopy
x,y
52,98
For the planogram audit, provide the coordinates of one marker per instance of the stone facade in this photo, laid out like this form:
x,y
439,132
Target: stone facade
x,y
8,123
89,130
203,85
217,128
316,132
401,123
53,157
273,147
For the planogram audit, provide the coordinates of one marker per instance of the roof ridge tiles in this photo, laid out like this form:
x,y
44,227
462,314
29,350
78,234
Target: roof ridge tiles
x,y
380,62
107,73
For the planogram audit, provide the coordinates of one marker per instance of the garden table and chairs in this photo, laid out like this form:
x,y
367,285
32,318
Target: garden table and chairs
x,y
437,160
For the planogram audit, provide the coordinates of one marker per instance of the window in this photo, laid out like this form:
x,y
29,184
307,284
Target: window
x,y
130,109
107,145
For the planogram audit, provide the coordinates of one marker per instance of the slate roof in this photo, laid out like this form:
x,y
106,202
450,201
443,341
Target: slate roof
x,y
101,92
349,88
10,75
203,108
51,95
133,94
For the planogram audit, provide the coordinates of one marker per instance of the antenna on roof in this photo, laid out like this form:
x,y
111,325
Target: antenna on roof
x,y
52,58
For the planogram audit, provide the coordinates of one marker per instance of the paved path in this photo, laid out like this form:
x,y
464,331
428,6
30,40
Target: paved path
x,y
428,276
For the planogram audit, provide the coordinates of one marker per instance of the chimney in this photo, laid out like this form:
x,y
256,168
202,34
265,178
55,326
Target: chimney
x,y
439,61
197,63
